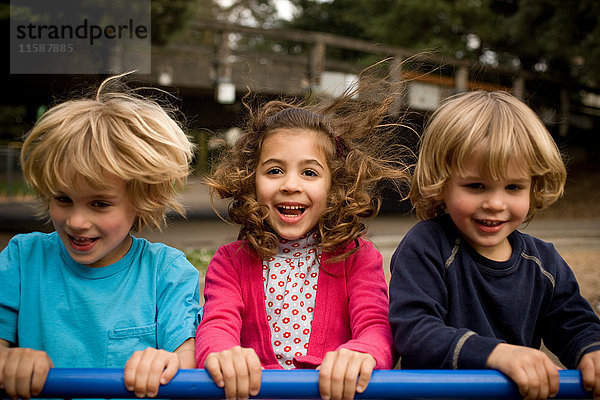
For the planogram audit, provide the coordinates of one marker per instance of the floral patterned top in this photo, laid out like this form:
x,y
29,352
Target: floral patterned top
x,y
290,281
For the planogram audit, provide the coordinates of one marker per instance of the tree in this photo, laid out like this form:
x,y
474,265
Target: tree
x,y
557,37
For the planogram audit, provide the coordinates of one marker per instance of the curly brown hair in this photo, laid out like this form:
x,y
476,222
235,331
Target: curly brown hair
x,y
361,153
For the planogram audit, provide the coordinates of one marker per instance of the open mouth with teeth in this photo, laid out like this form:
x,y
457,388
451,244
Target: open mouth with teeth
x,y
489,223
291,211
81,243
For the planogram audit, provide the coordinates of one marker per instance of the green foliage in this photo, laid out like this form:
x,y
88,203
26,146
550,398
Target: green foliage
x,y
560,37
169,17
200,258
14,188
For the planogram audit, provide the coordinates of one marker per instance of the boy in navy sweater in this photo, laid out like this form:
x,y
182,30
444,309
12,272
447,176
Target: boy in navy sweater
x,y
468,290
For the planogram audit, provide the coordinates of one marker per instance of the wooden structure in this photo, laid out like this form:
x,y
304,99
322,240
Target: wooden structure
x,y
206,66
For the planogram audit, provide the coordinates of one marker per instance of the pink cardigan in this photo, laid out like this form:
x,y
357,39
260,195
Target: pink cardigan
x,y
351,308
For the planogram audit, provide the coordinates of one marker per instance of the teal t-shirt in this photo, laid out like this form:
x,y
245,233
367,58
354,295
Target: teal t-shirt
x,y
95,317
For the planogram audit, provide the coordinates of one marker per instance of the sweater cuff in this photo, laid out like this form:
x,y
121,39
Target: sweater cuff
x,y
472,351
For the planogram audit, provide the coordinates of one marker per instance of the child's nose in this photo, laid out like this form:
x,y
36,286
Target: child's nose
x,y
291,184
495,201
78,220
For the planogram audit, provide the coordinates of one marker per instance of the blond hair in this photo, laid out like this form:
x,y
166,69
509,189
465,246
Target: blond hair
x,y
116,133
360,154
501,128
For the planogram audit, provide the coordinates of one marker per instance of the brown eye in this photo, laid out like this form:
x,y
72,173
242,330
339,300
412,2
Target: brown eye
x,y
62,199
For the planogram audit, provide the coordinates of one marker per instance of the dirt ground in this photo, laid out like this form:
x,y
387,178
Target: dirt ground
x,y
581,202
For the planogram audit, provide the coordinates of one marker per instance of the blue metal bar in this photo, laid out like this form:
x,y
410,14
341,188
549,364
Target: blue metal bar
x,y
303,384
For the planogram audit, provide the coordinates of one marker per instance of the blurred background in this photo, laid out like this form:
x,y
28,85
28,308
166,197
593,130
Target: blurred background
x,y
209,53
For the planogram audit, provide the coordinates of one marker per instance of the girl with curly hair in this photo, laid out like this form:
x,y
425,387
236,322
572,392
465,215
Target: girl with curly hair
x,y
301,288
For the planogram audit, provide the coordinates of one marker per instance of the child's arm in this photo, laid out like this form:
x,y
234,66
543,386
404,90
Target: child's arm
x,y
221,324
590,372
531,369
347,370
177,304
218,338
368,307
146,370
23,372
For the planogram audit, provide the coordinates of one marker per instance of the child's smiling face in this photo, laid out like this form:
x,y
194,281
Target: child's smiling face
x,y
94,224
293,180
486,210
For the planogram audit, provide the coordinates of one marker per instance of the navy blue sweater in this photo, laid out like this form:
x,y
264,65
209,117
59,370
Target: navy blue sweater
x,y
450,306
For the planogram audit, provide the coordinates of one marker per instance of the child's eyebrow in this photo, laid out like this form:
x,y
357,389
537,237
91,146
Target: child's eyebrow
x,y
310,161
